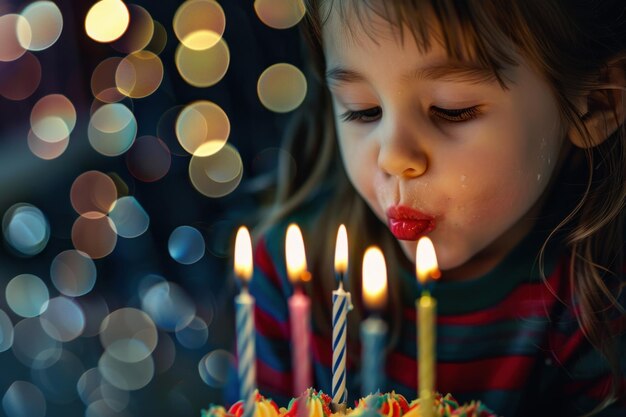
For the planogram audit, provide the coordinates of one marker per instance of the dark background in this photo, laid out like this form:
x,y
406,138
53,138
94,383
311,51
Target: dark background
x,y
170,202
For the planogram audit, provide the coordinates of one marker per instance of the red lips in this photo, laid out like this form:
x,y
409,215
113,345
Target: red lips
x,y
406,223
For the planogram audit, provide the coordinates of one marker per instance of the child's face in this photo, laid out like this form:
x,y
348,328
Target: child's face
x,y
471,180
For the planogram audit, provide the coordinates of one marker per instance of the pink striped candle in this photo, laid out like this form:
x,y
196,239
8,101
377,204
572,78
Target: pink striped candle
x,y
299,311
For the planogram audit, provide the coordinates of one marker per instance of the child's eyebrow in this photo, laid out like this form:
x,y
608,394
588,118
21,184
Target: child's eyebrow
x,y
458,72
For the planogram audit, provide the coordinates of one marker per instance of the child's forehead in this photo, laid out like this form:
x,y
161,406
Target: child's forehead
x,y
353,23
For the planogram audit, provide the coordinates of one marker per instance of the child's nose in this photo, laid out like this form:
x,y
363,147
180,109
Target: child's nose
x,y
402,156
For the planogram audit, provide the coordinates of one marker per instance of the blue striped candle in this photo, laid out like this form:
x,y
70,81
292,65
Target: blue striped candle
x,y
244,304
341,305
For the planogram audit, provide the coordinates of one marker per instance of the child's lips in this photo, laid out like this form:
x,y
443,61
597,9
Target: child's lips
x,y
406,223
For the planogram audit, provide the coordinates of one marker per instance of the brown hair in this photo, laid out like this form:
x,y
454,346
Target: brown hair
x,y
571,44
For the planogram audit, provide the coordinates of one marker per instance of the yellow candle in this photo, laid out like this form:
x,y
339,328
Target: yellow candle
x,y
426,307
427,312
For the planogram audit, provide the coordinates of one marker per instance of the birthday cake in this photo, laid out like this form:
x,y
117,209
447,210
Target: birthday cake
x,y
318,404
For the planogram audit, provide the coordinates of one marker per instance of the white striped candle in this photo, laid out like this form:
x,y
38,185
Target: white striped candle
x,y
341,306
244,304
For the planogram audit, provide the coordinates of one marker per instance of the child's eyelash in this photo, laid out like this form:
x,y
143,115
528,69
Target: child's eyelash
x,y
363,116
449,115
456,115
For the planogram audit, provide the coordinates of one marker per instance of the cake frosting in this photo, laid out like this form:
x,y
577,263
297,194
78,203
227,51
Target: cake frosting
x,y
314,403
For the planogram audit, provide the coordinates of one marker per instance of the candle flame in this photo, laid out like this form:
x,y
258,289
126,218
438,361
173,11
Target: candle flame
x,y
426,261
341,251
374,279
294,253
243,254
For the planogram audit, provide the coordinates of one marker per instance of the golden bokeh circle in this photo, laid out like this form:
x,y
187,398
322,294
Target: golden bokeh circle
x,y
107,20
279,14
103,81
53,118
202,128
203,16
203,67
282,88
139,32
216,175
139,74
159,38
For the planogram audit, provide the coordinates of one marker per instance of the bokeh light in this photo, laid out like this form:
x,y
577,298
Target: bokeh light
x,y
164,354
166,130
139,74
129,217
33,347
128,335
199,24
20,78
25,229
6,332
11,48
41,26
53,118
186,245
44,149
139,32
217,175
107,20
93,191
149,159
103,85
102,408
58,381
112,129
91,388
202,128
95,309
24,399
169,306
127,376
194,335
27,295
213,367
282,88
159,39
95,236
203,67
63,320
73,273
279,14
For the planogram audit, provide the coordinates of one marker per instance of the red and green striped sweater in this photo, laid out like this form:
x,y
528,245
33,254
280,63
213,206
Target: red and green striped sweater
x,y
506,338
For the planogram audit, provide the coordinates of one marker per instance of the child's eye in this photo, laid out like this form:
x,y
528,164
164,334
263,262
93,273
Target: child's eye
x,y
456,115
363,116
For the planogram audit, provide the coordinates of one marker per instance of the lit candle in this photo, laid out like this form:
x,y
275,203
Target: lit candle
x,y
342,303
244,304
299,310
426,305
373,329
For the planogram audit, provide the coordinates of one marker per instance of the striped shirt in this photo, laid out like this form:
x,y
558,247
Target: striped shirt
x,y
506,338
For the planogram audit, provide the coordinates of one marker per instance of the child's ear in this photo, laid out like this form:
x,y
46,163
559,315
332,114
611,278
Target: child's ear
x,y
604,109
